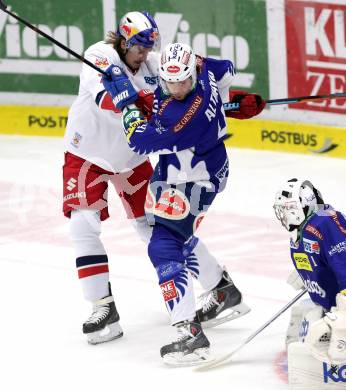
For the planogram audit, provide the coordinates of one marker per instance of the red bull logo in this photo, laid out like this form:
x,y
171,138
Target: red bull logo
x,y
126,29
102,62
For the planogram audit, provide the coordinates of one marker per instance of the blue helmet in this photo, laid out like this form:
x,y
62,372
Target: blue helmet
x,y
139,28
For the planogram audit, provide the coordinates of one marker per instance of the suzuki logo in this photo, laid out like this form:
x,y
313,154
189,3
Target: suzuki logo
x,y
71,184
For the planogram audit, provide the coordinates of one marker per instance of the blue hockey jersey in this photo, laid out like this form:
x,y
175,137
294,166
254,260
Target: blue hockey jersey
x,y
188,134
320,255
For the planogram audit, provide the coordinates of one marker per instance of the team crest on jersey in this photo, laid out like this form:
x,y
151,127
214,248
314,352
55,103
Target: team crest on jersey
x,y
173,204
102,62
158,127
303,330
76,140
311,246
201,83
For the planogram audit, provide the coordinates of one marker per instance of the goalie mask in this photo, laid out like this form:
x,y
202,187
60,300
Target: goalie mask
x,y
139,28
295,202
178,63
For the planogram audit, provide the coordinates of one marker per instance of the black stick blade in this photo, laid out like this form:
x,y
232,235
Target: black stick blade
x,y
3,6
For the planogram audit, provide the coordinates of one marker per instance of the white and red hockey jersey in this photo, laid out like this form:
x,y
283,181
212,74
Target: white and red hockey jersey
x,y
94,130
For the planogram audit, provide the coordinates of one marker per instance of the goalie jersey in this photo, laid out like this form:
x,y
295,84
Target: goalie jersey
x,y
320,255
189,134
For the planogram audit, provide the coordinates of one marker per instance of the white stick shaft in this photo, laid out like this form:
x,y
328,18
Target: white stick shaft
x,y
275,316
214,362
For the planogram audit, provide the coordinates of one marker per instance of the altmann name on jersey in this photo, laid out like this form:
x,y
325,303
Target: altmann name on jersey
x,y
210,112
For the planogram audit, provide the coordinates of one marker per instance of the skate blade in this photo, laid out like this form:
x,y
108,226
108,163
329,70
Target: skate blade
x,y
178,359
230,314
110,332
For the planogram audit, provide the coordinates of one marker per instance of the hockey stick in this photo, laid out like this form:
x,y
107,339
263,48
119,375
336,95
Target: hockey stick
x,y
226,357
3,7
235,106
306,98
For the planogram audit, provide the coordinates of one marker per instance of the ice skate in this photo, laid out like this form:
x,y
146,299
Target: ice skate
x,y
191,348
103,324
222,304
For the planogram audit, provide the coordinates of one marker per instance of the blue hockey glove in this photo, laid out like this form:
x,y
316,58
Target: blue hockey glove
x,y
132,118
118,85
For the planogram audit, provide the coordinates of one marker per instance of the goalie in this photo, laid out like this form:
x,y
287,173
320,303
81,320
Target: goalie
x,y
317,346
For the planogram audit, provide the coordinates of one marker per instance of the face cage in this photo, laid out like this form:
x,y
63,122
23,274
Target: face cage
x,y
281,212
281,215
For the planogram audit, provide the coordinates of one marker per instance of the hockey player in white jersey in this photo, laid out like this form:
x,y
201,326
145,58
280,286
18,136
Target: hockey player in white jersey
x,y
97,152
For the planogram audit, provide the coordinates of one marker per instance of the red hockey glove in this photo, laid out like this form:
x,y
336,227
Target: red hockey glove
x,y
145,102
250,104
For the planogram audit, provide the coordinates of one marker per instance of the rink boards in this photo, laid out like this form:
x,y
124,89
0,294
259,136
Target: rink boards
x,y
255,134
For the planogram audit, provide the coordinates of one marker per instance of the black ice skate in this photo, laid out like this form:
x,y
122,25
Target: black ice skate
x,y
103,324
191,347
222,304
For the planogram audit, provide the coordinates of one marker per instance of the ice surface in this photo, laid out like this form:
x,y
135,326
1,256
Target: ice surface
x,y
42,308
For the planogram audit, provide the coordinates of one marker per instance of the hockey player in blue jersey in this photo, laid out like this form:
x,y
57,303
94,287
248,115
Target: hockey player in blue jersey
x,y
318,252
98,154
187,130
